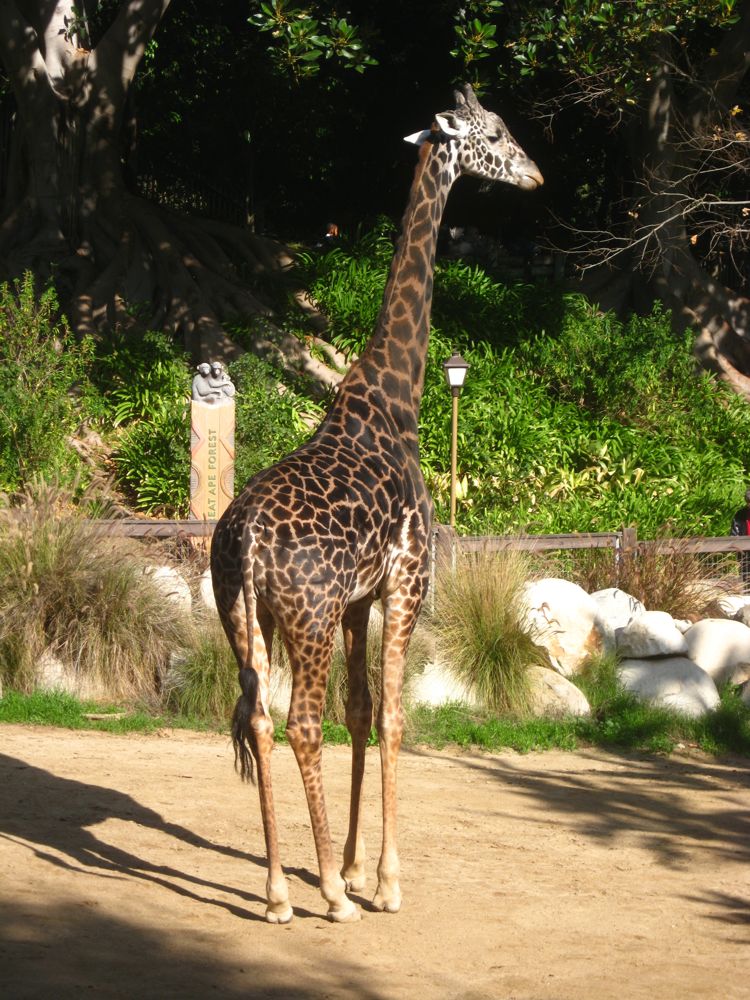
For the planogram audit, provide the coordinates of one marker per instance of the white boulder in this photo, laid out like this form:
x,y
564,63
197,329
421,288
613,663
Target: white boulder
x,y
52,674
565,620
721,647
436,685
617,607
651,633
172,585
553,695
674,682
206,591
731,604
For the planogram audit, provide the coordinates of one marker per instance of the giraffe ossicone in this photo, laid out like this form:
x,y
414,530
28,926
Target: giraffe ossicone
x,y
345,520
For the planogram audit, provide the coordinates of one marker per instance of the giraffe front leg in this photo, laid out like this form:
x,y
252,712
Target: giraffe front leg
x,y
401,609
358,722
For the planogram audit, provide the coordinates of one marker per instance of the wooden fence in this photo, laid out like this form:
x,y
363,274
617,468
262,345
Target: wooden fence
x,y
619,542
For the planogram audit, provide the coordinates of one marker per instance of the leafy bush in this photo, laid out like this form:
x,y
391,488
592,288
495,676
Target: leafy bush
x,y
270,418
348,284
43,383
480,631
152,457
571,420
70,590
142,375
146,381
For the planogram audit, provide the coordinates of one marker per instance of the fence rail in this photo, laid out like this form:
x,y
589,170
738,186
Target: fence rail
x,y
622,541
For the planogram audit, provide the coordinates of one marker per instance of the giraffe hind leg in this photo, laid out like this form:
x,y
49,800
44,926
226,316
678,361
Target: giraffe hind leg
x,y
252,732
304,733
259,730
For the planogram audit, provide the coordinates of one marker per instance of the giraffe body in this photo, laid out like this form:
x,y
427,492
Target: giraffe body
x,y
311,542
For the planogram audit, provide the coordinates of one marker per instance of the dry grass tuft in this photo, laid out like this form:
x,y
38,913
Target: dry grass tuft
x,y
664,576
479,626
69,590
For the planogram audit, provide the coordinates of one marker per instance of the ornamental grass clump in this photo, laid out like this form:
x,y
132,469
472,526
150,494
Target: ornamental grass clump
x,y
480,629
202,683
69,592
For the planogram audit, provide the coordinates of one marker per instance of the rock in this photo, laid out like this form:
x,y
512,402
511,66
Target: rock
x,y
732,604
565,620
745,692
172,584
674,682
652,633
52,673
206,591
617,607
742,614
554,695
437,686
721,647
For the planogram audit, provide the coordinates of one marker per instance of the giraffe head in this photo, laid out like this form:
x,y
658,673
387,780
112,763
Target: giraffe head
x,y
484,146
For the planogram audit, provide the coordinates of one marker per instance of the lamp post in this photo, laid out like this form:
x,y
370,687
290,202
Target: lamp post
x,y
454,369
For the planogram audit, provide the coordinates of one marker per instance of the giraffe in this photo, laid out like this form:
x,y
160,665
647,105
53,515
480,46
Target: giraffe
x,y
311,542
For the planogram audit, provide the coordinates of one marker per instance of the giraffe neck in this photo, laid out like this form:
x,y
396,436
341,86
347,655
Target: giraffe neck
x,y
392,365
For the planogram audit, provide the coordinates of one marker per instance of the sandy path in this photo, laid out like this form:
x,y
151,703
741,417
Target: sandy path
x,y
133,867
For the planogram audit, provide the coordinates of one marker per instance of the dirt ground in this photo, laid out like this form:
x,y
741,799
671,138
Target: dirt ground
x,y
133,867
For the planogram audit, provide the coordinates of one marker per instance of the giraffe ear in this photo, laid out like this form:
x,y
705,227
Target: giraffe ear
x,y
418,137
450,124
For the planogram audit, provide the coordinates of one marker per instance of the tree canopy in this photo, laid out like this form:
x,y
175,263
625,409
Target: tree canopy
x,y
289,115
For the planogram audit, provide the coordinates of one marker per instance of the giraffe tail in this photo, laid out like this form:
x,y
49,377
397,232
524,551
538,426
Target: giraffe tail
x,y
243,735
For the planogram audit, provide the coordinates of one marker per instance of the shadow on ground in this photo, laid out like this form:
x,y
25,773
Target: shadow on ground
x,y
608,800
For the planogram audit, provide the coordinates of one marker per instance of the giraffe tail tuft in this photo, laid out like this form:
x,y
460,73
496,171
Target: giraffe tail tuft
x,y
242,732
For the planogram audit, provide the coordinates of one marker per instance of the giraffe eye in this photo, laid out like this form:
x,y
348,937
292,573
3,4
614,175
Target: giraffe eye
x,y
493,138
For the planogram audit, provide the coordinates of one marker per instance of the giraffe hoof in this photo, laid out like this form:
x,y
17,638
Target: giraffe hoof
x,y
387,904
279,914
356,883
346,912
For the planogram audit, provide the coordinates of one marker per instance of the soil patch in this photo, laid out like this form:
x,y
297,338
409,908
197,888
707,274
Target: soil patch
x,y
134,867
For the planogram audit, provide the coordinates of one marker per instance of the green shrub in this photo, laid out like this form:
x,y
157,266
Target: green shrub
x,y
571,420
146,382
348,284
152,458
44,387
270,418
70,590
142,375
479,626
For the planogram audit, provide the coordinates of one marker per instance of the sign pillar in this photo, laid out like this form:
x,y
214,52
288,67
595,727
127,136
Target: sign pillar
x,y
212,442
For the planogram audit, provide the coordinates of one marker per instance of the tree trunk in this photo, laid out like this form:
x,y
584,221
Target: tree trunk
x,y
69,215
656,259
